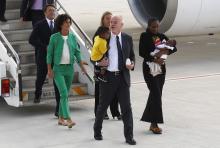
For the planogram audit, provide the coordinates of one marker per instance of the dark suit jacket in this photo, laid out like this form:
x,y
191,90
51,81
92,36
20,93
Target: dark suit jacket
x,y
128,52
25,10
40,37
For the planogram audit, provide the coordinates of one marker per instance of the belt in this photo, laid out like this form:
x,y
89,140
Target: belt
x,y
116,73
64,64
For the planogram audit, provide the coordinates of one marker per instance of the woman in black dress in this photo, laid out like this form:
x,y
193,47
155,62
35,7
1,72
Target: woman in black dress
x,y
154,77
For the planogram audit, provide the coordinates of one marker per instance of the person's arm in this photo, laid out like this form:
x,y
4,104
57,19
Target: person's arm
x,y
50,56
145,46
93,41
49,71
35,39
97,46
132,55
78,54
95,49
78,57
102,47
169,50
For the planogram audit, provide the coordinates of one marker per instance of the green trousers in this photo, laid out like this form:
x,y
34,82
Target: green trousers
x,y
63,76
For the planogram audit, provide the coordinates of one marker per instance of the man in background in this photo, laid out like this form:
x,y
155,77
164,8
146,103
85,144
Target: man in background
x,y
32,10
39,38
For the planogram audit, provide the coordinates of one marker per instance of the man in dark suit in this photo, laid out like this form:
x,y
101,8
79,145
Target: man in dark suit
x,y
39,38
2,10
118,76
32,10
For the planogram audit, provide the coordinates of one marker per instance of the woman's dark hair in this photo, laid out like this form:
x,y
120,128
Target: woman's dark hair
x,y
61,19
151,20
103,16
101,30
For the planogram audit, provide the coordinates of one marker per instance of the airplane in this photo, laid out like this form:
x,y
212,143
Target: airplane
x,y
179,17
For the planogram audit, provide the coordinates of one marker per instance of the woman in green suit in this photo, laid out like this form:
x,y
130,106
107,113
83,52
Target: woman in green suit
x,y
62,52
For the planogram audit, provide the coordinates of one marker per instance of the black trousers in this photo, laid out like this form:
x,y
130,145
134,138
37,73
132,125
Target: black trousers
x,y
114,108
41,76
153,112
116,86
2,8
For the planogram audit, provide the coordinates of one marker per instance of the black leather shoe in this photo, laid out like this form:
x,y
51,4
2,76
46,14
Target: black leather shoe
x,y
106,117
98,136
36,100
131,141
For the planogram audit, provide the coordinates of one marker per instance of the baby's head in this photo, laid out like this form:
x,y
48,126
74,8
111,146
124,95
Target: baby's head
x,y
171,42
103,32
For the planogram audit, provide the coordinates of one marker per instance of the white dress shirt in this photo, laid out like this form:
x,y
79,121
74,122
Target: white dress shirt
x,y
113,53
48,21
65,59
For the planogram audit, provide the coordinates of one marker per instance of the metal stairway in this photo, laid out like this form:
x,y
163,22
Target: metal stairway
x,y
17,33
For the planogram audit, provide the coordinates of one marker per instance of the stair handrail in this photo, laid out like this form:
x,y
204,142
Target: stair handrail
x,y
86,37
16,58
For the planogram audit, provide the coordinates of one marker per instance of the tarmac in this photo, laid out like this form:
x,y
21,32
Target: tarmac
x,y
190,100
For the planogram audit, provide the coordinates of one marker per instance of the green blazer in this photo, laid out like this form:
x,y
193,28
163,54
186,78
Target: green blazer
x,y
55,49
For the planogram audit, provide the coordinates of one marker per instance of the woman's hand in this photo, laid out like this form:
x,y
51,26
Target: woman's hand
x,y
50,73
83,70
161,52
82,63
159,61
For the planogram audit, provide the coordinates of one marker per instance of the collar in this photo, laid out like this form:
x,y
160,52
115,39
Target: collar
x,y
113,35
61,36
48,21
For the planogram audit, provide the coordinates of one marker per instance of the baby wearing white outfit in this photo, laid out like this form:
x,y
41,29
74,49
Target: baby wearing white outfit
x,y
155,68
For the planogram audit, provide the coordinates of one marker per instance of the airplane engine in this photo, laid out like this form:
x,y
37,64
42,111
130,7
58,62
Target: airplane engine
x,y
179,17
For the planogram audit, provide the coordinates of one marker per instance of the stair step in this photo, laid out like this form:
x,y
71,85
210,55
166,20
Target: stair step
x,y
77,89
28,69
15,25
52,100
17,35
27,57
13,4
12,14
21,46
28,81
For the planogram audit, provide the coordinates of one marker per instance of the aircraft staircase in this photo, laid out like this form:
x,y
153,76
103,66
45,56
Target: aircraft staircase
x,y
17,34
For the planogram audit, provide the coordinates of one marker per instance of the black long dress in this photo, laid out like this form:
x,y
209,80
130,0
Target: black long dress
x,y
153,112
